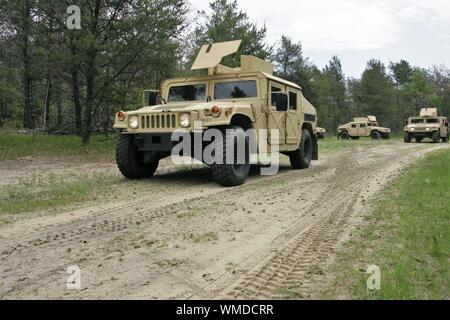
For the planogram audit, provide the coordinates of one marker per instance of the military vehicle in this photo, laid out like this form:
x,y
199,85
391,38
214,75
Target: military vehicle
x,y
224,98
320,132
427,125
363,127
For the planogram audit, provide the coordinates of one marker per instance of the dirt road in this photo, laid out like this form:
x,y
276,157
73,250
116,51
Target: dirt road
x,y
186,237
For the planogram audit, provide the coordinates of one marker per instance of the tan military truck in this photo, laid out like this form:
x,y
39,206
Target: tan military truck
x,y
363,127
427,125
228,99
320,132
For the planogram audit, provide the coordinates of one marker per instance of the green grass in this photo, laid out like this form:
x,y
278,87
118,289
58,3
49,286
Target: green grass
x,y
332,144
39,193
13,146
407,237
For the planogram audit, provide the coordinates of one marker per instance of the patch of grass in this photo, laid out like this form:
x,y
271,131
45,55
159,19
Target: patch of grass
x,y
13,146
407,237
38,192
332,144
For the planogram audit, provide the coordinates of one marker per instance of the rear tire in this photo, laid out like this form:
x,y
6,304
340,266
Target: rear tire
x,y
301,158
445,139
230,175
436,137
375,135
128,159
407,138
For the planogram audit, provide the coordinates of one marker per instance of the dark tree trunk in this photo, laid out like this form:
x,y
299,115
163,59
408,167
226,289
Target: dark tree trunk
x,y
47,101
75,85
28,109
90,77
58,103
90,81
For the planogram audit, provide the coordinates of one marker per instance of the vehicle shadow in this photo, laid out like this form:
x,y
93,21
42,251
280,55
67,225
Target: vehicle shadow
x,y
202,174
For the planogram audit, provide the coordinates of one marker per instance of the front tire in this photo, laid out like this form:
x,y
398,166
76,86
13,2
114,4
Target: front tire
x,y
301,158
234,174
445,139
407,138
436,137
129,159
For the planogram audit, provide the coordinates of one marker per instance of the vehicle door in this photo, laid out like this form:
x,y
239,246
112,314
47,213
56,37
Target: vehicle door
x,y
277,109
292,117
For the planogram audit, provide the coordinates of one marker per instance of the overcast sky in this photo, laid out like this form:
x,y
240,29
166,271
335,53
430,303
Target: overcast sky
x,y
358,30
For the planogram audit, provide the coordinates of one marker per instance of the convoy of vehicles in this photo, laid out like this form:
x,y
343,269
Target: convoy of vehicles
x,y
232,101
427,125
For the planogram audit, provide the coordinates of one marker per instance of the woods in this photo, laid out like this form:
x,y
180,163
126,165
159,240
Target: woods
x,y
57,79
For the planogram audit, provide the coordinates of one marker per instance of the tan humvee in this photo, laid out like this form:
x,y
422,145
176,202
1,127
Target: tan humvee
x,y
363,127
427,125
229,99
320,132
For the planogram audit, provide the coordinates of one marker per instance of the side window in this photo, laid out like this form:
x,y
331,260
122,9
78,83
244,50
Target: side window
x,y
362,125
292,100
353,125
369,124
273,97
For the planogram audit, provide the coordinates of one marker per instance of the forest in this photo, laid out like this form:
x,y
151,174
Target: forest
x,y
67,80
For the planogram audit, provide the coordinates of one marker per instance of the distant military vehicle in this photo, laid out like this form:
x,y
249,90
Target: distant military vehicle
x,y
320,132
229,99
427,125
363,127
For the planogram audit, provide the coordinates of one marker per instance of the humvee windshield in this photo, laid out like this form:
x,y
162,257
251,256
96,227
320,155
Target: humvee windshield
x,y
190,92
235,89
432,120
416,120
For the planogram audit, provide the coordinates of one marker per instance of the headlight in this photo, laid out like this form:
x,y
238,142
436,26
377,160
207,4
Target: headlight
x,y
133,122
184,120
428,129
412,129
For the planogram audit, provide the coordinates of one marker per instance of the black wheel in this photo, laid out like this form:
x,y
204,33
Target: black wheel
x,y
344,135
131,162
407,138
232,174
418,140
445,139
301,158
375,135
436,137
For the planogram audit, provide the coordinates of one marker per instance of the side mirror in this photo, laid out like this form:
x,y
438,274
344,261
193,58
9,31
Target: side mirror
x,y
446,124
153,98
282,102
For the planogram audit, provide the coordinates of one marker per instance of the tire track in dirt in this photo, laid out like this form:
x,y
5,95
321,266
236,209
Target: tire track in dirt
x,y
148,234
294,271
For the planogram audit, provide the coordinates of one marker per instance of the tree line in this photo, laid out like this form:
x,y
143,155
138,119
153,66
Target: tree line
x,y
58,79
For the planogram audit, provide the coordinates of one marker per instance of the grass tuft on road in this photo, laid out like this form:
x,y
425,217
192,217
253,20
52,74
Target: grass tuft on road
x,y
13,146
407,237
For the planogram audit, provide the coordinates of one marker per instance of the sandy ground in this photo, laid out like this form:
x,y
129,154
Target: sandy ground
x,y
186,237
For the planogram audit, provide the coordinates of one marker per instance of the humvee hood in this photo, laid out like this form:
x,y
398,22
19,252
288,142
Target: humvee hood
x,y
187,106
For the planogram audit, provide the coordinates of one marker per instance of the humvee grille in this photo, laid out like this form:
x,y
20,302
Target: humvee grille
x,y
159,121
